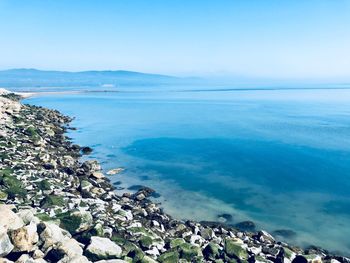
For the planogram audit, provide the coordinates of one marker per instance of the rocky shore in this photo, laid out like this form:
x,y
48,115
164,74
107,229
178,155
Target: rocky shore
x,y
56,208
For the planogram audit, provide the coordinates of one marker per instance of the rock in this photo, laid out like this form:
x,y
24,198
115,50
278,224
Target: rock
x,y
27,216
97,175
71,248
246,226
189,251
286,233
115,171
52,234
211,251
91,166
3,195
8,219
86,150
233,248
263,236
226,217
299,259
169,257
76,221
5,243
24,238
176,242
207,233
102,248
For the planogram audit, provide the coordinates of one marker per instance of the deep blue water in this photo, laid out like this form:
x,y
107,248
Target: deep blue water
x,y
280,158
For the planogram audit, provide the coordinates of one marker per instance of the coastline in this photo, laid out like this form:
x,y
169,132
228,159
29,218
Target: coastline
x,y
59,192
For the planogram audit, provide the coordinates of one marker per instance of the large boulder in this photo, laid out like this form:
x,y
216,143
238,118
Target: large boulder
x,y
102,248
51,235
8,219
234,249
24,238
76,221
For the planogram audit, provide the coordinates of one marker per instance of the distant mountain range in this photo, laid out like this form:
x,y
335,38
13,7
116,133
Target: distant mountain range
x,y
40,78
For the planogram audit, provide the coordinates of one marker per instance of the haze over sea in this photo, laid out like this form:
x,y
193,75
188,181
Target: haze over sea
x,y
277,157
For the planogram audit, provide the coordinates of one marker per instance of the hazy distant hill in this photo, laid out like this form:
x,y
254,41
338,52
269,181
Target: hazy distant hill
x,y
39,78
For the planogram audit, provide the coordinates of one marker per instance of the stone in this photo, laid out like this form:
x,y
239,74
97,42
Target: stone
x,y
211,251
51,235
71,248
189,251
24,238
233,248
115,171
5,243
169,257
102,248
207,233
86,150
76,221
246,226
299,259
8,219
97,175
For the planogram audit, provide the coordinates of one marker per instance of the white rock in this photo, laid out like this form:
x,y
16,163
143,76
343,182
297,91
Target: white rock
x,y
71,248
5,243
26,215
51,235
75,259
8,219
103,248
115,171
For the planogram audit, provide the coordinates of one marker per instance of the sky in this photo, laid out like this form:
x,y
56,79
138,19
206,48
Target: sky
x,y
295,39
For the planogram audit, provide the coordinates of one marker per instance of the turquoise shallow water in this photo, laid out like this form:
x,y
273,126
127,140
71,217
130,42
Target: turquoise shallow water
x,y
277,157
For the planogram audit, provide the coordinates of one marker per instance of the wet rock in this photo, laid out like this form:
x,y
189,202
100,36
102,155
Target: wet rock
x,y
246,226
285,233
115,171
86,150
226,217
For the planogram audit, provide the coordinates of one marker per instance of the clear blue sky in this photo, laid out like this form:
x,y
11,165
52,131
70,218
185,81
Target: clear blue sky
x,y
269,38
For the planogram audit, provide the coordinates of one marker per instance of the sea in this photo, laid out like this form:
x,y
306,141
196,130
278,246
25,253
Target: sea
x,y
277,157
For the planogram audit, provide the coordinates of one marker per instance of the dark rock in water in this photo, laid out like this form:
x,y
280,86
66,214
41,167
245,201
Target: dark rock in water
x,y
246,226
117,183
286,233
135,187
227,217
86,150
299,259
212,224
155,195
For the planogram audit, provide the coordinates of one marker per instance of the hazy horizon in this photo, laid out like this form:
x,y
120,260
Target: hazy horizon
x,y
293,40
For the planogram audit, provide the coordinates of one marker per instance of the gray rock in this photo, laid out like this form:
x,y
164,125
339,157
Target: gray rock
x,y
102,248
5,243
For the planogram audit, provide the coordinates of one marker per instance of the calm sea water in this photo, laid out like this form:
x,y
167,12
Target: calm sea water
x,y
280,158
